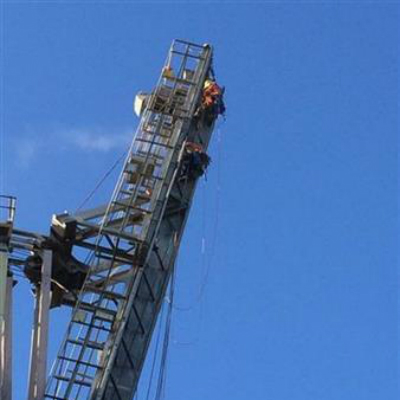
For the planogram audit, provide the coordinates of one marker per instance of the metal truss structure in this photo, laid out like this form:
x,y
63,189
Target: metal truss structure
x,y
112,264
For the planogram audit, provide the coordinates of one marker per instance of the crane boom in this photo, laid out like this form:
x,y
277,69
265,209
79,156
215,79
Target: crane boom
x,y
134,240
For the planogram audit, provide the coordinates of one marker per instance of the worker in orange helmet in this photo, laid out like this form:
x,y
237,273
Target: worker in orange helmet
x,y
211,92
212,102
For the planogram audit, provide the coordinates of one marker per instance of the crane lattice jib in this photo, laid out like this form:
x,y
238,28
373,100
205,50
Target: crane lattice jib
x,y
137,240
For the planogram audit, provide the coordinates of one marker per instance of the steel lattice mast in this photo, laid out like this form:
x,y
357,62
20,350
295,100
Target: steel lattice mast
x,y
133,241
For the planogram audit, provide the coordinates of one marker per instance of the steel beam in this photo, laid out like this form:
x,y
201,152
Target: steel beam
x,y
40,330
3,279
6,284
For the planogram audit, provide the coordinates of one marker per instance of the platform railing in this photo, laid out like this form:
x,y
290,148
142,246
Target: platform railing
x,y
7,208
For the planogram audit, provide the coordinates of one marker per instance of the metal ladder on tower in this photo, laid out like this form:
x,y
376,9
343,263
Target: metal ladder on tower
x,y
128,230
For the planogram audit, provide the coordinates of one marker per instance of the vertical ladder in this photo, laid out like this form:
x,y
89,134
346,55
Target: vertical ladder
x,y
129,229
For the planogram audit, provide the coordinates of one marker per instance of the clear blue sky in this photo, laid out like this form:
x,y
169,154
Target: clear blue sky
x,y
301,295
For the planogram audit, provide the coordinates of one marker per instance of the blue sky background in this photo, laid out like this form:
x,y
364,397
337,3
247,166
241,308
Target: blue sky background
x,y
294,234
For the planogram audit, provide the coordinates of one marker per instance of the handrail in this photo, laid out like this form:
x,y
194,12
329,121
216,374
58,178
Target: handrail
x,y
7,203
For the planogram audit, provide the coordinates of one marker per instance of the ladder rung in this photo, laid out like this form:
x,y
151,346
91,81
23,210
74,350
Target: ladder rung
x,y
163,126
129,193
156,134
180,80
140,140
181,53
75,381
101,328
131,207
180,115
126,192
156,156
160,127
189,44
89,344
124,258
84,363
106,293
94,309
101,318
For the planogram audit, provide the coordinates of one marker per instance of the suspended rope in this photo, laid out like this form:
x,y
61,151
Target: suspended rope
x,y
156,350
161,384
91,254
101,181
203,271
207,265
217,215
158,369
